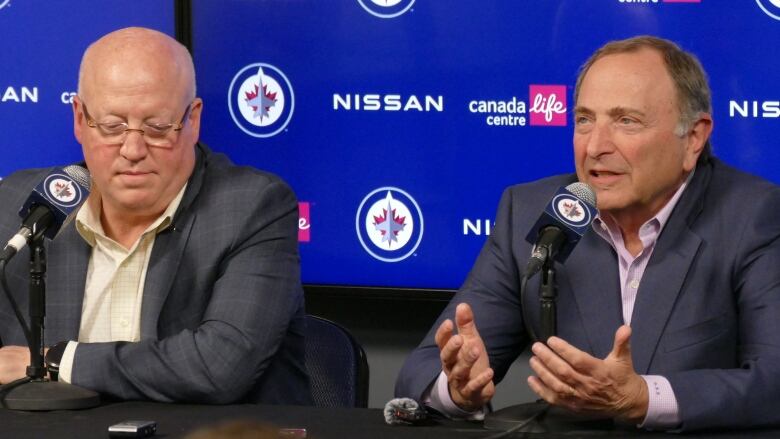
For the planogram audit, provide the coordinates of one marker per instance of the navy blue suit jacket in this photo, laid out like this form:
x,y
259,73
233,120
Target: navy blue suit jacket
x,y
222,318
707,313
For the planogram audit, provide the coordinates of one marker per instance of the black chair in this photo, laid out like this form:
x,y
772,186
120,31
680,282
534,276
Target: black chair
x,y
338,368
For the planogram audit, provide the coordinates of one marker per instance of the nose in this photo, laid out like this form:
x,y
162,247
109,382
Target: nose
x,y
134,147
600,140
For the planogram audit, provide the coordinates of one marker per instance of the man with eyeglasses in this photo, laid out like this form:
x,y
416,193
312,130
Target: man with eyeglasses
x,y
179,279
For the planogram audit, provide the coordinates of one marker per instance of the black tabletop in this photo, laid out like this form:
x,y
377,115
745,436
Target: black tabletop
x,y
176,420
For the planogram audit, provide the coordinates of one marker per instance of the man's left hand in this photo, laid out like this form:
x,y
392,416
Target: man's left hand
x,y
570,378
13,363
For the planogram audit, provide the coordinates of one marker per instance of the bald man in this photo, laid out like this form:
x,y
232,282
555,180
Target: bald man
x,y
179,279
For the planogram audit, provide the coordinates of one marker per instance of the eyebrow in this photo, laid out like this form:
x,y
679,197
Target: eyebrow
x,y
612,112
583,110
619,111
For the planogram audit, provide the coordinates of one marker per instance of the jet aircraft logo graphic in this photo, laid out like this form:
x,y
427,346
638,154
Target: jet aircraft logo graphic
x,y
389,224
261,100
61,189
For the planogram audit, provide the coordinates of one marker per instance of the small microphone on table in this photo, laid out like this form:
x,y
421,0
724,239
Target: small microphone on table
x,y
404,411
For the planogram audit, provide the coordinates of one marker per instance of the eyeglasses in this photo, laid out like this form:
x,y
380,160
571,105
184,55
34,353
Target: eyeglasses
x,y
159,135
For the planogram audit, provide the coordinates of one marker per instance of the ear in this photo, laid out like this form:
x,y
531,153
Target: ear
x,y
194,118
696,138
78,118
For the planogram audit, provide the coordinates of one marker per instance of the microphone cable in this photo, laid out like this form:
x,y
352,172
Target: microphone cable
x,y
521,425
523,314
14,305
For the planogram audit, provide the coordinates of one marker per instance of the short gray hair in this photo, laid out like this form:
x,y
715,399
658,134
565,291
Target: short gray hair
x,y
689,77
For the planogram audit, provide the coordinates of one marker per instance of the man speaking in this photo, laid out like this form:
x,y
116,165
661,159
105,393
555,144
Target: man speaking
x,y
668,306
178,280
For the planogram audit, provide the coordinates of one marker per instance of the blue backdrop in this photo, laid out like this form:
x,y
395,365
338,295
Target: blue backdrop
x,y
41,43
397,122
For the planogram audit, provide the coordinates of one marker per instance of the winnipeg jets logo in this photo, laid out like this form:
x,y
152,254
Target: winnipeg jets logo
x,y
62,190
386,8
261,100
389,224
770,7
570,210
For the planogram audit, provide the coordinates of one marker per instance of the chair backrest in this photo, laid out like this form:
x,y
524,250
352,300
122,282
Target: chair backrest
x,y
337,364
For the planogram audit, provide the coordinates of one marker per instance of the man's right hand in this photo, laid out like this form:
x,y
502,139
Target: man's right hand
x,y
13,363
464,360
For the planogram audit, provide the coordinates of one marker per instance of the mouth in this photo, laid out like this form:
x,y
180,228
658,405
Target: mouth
x,y
603,176
134,178
133,173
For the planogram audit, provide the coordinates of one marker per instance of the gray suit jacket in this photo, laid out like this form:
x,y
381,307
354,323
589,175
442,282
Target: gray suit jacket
x,y
222,318
707,313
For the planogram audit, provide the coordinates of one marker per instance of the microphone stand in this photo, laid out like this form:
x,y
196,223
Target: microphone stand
x,y
548,301
36,392
539,416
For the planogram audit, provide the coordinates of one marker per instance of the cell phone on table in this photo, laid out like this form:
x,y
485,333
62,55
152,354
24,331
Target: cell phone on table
x,y
133,429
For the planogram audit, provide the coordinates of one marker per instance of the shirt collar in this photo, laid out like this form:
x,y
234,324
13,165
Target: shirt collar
x,y
89,226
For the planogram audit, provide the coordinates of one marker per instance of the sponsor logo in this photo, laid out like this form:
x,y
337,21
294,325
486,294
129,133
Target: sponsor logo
x,y
547,108
570,210
548,105
19,94
770,7
511,112
755,109
61,189
67,97
304,222
477,227
386,8
388,102
261,100
389,224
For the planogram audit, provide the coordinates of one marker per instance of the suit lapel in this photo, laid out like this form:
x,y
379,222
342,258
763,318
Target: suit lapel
x,y
66,278
661,284
163,265
591,276
666,272
167,252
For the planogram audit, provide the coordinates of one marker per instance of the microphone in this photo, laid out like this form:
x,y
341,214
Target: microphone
x,y
404,411
565,219
51,205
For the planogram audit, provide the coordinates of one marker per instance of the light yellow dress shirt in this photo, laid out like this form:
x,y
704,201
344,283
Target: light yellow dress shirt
x,y
113,293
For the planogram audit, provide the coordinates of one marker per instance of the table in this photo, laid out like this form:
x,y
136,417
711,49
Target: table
x,y
176,420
